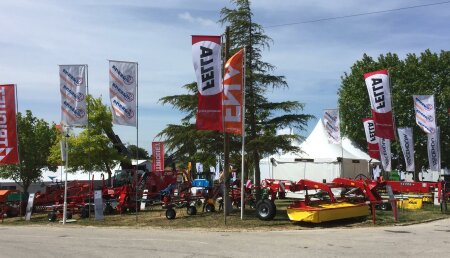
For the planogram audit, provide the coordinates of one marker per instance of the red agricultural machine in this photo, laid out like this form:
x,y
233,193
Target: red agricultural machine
x,y
10,203
343,198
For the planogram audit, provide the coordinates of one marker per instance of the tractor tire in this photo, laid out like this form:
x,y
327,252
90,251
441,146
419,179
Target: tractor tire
x,y
84,213
385,206
191,210
265,210
210,208
108,209
69,215
171,213
272,203
12,213
51,216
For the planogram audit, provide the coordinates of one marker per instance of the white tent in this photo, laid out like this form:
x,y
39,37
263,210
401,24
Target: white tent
x,y
318,160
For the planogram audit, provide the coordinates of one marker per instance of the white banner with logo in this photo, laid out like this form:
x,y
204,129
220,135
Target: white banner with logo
x,y
378,87
385,153
425,112
434,150
72,85
331,125
122,92
407,144
207,60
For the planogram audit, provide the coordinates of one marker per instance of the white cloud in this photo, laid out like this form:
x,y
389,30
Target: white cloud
x,y
186,16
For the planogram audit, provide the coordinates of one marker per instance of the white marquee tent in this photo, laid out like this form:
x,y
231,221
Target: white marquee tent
x,y
318,160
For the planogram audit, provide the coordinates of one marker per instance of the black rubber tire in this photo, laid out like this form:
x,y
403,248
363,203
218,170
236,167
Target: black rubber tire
x,y
385,206
108,209
51,216
84,213
210,208
191,210
12,213
251,204
274,207
265,210
69,215
171,213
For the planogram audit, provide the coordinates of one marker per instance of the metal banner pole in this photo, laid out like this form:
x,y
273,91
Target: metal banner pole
x,y
243,136
137,138
65,181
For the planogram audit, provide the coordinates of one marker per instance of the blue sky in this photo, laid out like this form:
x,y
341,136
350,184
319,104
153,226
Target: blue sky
x,y
36,36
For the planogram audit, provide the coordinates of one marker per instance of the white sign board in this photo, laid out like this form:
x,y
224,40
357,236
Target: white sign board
x,y
98,202
29,207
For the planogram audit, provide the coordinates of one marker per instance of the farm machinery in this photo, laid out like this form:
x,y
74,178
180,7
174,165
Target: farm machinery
x,y
11,203
343,198
79,195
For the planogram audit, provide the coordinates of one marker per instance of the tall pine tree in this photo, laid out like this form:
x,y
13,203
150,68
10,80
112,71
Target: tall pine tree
x,y
262,116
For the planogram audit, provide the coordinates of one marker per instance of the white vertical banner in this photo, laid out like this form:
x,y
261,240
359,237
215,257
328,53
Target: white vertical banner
x,y
72,85
434,150
385,153
378,87
425,112
122,92
407,144
331,124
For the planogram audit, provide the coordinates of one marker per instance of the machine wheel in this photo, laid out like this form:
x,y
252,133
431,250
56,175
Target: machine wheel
x,y
108,209
252,204
12,213
272,203
51,216
84,213
69,215
385,206
171,213
209,207
265,210
191,210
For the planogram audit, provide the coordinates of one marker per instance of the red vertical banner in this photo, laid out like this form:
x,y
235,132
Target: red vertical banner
x,y
372,144
9,153
158,156
378,87
233,94
206,56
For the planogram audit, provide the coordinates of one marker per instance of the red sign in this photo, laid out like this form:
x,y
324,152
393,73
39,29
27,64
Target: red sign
x,y
158,156
233,94
8,127
206,56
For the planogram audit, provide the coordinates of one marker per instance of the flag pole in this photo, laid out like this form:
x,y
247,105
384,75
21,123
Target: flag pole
x,y
243,136
65,170
91,190
137,138
226,151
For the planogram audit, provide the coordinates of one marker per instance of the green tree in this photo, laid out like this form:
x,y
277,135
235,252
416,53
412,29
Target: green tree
x,y
141,152
91,149
426,74
36,137
262,116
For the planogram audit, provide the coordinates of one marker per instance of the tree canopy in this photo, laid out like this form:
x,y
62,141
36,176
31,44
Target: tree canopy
x,y
424,74
36,137
91,149
141,152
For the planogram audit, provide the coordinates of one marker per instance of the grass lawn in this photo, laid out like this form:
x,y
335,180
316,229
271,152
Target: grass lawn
x,y
155,217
